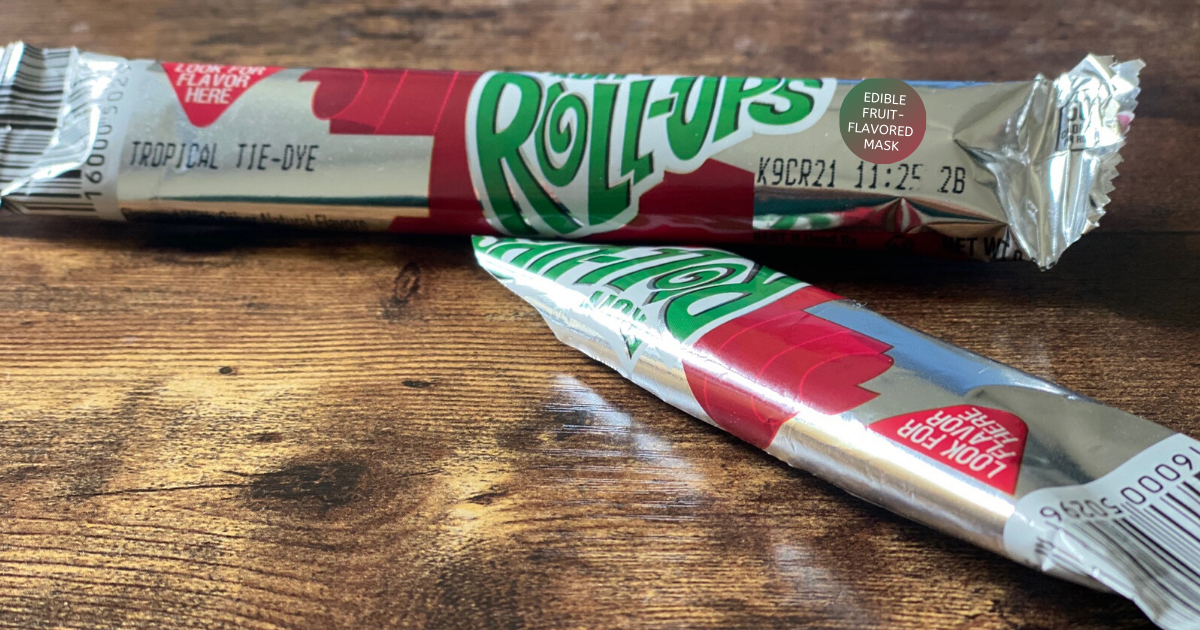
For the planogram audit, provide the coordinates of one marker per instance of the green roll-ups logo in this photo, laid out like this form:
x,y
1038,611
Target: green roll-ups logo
x,y
680,290
571,155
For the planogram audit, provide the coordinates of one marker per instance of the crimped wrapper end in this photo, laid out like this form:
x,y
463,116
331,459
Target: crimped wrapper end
x,y
34,88
1086,114
50,119
1125,93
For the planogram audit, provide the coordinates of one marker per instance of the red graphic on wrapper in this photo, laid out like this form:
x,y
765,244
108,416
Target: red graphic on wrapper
x,y
410,103
783,361
381,102
712,203
206,90
983,443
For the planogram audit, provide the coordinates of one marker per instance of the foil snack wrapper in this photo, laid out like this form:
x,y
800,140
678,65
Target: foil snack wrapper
x,y
963,444
1005,170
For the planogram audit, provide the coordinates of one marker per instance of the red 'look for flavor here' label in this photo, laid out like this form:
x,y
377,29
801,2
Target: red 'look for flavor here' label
x,y
983,443
206,90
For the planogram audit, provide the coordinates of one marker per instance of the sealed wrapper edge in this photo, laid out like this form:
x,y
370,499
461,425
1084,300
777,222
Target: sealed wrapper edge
x,y
1069,174
950,439
1004,171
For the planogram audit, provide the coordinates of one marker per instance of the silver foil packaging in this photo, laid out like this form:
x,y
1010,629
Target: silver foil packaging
x,y
1004,170
963,444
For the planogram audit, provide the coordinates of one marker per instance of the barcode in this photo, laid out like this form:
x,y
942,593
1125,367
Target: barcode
x,y
1158,544
38,148
1135,530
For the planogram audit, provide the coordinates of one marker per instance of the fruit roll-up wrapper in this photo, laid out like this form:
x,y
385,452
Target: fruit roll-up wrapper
x,y
976,449
1003,170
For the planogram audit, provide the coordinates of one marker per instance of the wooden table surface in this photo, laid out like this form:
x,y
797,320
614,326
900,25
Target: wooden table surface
x,y
214,428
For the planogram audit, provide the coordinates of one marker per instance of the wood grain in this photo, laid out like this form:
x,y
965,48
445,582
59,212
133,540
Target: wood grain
x,y
207,428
